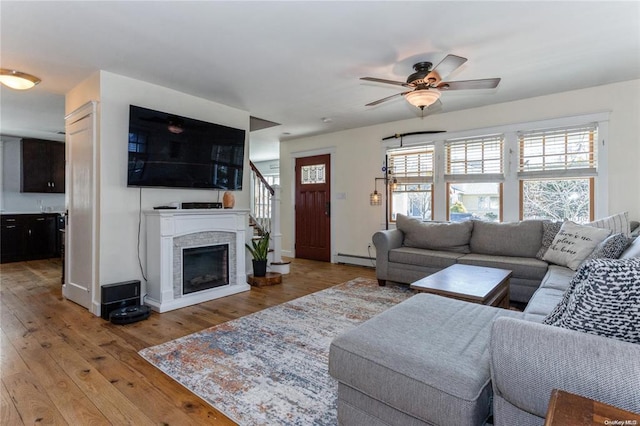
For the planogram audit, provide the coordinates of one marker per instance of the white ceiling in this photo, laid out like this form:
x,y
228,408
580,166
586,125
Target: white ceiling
x,y
296,63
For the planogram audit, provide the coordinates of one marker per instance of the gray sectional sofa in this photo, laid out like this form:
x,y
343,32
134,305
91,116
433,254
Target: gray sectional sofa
x,y
416,249
432,360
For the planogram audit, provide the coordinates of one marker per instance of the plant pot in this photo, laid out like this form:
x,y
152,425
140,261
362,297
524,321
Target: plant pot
x,y
259,268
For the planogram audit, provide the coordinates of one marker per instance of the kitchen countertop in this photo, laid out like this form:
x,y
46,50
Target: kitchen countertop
x,y
33,212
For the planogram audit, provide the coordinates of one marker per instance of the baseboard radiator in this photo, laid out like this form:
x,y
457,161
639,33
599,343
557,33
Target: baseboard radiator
x,y
353,259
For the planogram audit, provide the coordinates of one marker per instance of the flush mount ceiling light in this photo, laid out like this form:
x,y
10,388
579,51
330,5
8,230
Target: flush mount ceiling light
x,y
17,80
422,98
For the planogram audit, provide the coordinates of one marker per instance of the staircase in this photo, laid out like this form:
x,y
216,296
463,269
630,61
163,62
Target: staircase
x,y
265,217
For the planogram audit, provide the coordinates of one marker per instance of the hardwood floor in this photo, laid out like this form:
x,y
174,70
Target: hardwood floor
x,y
62,365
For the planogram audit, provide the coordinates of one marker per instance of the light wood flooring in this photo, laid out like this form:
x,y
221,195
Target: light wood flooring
x,y
60,364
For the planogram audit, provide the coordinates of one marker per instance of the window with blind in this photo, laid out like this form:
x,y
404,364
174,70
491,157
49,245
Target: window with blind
x,y
474,174
556,170
411,182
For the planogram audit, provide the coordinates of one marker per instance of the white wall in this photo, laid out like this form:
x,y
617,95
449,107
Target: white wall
x,y
12,200
118,204
268,168
359,156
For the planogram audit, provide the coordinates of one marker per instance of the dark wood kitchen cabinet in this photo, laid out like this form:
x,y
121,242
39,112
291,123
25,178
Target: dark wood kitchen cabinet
x,y
42,166
28,237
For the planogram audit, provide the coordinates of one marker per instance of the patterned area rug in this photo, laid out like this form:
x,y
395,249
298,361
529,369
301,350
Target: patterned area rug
x,y
271,367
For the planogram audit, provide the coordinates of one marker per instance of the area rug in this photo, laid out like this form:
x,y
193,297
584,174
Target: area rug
x,y
271,367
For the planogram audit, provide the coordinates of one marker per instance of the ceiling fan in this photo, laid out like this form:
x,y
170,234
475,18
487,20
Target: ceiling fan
x,y
426,83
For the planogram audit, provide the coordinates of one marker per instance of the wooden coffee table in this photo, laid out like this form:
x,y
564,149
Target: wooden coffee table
x,y
476,284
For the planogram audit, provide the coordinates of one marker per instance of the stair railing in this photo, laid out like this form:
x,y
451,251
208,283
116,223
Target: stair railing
x,y
265,210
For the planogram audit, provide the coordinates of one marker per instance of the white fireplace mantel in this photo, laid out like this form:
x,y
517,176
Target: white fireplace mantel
x,y
164,227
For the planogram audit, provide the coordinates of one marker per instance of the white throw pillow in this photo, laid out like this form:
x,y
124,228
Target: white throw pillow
x,y
618,224
574,243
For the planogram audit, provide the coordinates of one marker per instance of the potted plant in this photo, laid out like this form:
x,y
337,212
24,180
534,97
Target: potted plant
x,y
259,249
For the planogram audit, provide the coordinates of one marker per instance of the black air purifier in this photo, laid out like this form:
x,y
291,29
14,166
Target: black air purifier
x,y
119,295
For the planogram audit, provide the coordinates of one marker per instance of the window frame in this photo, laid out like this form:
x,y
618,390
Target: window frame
x,y
394,178
555,171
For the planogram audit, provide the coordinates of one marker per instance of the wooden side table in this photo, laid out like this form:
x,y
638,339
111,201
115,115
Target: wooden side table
x,y
567,409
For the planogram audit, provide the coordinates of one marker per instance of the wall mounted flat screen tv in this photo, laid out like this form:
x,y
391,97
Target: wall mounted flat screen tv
x,y
167,150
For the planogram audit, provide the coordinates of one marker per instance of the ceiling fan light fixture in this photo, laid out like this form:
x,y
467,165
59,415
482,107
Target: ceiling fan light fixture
x,y
422,98
17,80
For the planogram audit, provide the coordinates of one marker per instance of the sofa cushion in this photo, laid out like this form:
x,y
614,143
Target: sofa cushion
x,y
422,257
542,303
520,239
549,231
617,223
603,299
557,277
550,293
522,267
427,357
574,243
453,236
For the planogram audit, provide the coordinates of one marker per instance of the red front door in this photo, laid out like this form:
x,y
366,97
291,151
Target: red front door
x,y
313,208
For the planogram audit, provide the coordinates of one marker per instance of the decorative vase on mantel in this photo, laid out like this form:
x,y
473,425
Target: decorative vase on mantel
x,y
228,200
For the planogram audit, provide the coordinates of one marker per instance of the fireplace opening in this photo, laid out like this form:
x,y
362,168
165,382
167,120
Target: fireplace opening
x,y
204,268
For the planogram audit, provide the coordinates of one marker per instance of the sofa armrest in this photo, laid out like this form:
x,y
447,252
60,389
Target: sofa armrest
x,y
385,241
529,360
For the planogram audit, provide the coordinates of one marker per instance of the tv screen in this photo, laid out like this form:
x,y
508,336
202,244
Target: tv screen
x,y
167,150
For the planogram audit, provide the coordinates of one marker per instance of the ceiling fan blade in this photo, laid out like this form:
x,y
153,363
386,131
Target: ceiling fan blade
x,y
448,65
379,101
485,83
382,80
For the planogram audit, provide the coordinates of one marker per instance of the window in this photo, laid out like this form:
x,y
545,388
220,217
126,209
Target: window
x,y
474,175
312,174
411,182
551,169
556,172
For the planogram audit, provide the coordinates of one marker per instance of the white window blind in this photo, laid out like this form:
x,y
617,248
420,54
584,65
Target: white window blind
x,y
558,153
411,165
475,159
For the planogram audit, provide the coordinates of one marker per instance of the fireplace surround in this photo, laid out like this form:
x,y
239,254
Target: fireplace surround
x,y
203,236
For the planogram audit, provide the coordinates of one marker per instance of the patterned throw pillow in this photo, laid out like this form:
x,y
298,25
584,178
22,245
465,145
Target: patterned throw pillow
x,y
573,244
606,300
618,223
561,307
550,230
611,248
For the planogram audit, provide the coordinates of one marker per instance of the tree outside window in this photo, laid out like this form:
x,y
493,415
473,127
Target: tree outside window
x,y
557,199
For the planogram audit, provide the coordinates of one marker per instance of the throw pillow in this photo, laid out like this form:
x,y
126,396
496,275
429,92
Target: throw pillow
x,y
445,236
611,248
573,244
618,223
606,301
549,232
561,307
